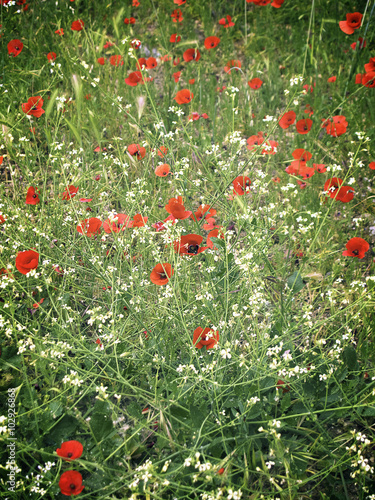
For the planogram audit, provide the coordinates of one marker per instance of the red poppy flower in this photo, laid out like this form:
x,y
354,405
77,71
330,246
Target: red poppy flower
x,y
136,150
353,22
191,81
358,78
77,25
189,245
177,76
215,233
175,38
129,20
151,63
301,154
276,180
362,44
209,224
51,56
176,208
226,22
141,63
177,16
207,337
33,106
372,165
191,55
176,61
337,127
138,221
304,126
101,61
370,66
116,224
70,192
194,116
162,151
134,78
255,83
203,211
345,194
32,197
26,261
60,31
320,168
183,96
306,172
211,42
356,247
283,385
161,274
287,119
241,184
108,44
332,185
179,2
255,140
162,170
116,60
89,227
15,47
233,64
332,79
269,147
70,450
71,483
158,226
277,3
368,80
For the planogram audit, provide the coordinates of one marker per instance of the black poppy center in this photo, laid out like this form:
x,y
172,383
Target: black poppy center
x,y
162,276
193,249
355,252
72,486
70,454
35,195
247,183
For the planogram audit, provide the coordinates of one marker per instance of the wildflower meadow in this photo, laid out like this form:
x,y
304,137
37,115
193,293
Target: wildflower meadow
x,y
187,249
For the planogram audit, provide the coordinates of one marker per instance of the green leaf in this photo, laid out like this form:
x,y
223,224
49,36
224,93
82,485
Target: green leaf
x,y
295,282
350,358
196,416
369,412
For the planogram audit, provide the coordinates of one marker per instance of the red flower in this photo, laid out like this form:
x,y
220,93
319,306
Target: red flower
x,y
183,96
269,147
356,247
372,165
215,233
32,197
33,106
71,483
130,20
161,274
207,337
134,78
320,168
60,31
211,42
332,79
179,2
162,151
301,154
203,211
226,23
70,192
370,66
77,25
138,221
26,261
358,78
277,3
282,385
332,185
337,127
116,60
189,244
353,22
175,38
136,150
108,44
368,80
162,170
151,63
241,184
101,61
362,44
255,83
304,126
177,16
70,450
287,119
255,140
15,47
191,81
116,224
177,76
232,64
89,227
191,55
176,208
51,56
345,194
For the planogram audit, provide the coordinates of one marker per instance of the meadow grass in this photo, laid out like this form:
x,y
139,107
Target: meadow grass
x,y
243,366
